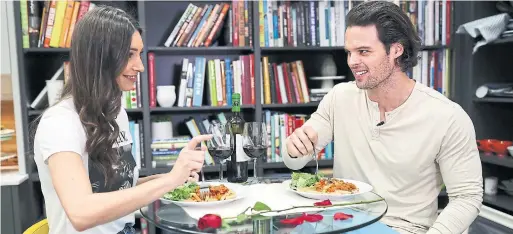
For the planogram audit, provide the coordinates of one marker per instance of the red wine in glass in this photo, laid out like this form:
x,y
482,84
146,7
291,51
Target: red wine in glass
x,y
221,152
255,143
255,151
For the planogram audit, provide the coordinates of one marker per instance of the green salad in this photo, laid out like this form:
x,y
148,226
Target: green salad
x,y
302,180
182,192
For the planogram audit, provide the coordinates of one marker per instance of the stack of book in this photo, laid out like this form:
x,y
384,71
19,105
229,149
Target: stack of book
x,y
219,78
284,82
164,152
200,26
322,22
279,127
53,25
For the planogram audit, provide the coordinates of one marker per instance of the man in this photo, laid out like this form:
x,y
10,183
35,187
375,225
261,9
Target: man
x,y
403,138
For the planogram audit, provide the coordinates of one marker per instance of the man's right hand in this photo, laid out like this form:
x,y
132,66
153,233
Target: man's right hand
x,y
302,142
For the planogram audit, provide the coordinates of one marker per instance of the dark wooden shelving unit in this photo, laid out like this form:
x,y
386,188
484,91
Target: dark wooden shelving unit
x,y
197,109
434,47
301,48
505,161
491,116
35,112
500,201
290,105
329,48
503,40
201,50
493,99
45,50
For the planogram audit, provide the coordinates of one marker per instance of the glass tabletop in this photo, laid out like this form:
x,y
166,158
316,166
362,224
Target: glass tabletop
x,y
171,217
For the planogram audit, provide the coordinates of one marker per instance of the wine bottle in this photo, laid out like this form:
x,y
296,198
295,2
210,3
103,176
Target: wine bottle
x,y
237,164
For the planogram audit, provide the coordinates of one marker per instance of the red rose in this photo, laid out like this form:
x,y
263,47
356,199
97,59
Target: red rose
x,y
323,203
209,221
342,216
304,217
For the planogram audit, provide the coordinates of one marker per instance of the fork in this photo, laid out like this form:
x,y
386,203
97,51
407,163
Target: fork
x,y
198,147
203,195
316,161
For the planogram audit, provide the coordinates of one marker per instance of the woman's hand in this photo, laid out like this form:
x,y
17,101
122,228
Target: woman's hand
x,y
190,161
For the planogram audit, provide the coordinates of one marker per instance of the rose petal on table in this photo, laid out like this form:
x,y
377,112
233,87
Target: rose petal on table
x,y
342,216
323,203
312,217
293,221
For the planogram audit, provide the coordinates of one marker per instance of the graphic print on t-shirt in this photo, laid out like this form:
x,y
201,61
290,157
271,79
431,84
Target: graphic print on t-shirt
x,y
123,169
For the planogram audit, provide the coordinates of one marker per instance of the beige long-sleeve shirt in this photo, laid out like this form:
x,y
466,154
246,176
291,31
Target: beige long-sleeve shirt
x,y
426,142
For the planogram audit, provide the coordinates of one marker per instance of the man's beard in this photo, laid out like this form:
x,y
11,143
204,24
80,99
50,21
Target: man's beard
x,y
373,81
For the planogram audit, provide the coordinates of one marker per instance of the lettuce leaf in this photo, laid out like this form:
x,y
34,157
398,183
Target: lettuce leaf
x,y
302,180
182,192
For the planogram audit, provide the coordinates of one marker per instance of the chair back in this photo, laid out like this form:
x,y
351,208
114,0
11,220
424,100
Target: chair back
x,y
40,227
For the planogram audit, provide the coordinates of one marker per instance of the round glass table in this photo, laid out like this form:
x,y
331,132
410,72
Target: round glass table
x,y
175,219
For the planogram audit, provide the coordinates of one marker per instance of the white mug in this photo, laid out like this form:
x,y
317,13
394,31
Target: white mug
x,y
491,185
54,88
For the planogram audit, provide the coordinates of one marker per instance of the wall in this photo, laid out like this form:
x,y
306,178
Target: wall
x,y
8,119
5,63
10,80
5,66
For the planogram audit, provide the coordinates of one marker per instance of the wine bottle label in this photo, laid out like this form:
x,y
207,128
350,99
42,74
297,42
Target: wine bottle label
x,y
239,151
227,136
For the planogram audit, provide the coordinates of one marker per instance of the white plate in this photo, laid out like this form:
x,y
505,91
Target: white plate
x,y
240,192
362,188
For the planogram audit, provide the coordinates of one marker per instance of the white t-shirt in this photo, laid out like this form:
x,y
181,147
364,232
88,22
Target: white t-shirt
x,y
60,130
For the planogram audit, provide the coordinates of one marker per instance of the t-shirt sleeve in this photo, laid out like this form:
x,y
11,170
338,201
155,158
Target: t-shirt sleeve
x,y
460,167
60,130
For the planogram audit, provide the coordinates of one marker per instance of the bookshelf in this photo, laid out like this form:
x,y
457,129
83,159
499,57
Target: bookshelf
x,y
158,18
493,100
201,50
491,116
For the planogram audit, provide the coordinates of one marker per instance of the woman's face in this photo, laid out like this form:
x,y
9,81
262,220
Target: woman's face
x,y
128,77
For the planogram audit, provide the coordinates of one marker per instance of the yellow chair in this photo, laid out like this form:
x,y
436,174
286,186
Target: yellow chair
x,y
40,227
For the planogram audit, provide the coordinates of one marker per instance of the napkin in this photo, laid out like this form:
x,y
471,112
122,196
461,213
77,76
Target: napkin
x,y
486,29
276,196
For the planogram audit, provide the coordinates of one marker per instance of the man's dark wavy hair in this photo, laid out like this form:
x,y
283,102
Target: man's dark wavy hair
x,y
393,26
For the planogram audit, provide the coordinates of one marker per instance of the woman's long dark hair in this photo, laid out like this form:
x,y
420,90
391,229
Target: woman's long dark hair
x,y
100,48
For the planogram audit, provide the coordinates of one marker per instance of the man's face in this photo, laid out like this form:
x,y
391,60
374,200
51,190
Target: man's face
x,y
367,57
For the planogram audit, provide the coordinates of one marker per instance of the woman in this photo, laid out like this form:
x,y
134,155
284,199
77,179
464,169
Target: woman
x,y
82,145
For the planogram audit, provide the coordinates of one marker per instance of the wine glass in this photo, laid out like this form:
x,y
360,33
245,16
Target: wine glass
x,y
255,142
220,146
